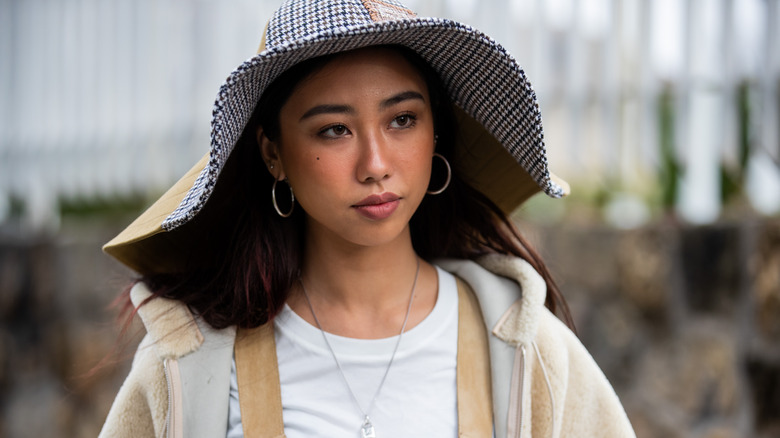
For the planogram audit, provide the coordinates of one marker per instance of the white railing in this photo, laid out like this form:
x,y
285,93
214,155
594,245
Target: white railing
x,y
106,98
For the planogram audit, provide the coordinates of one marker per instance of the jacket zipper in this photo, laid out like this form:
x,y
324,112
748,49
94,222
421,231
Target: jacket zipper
x,y
516,396
172,422
170,399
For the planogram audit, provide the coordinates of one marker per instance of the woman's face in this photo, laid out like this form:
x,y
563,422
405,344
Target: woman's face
x,y
356,144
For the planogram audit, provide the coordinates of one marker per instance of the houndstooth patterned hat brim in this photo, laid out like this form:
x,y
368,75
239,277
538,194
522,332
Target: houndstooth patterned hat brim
x,y
500,128
480,76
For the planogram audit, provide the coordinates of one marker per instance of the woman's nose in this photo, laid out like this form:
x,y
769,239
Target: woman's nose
x,y
374,163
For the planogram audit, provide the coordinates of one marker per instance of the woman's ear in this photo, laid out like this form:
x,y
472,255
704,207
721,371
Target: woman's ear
x,y
270,152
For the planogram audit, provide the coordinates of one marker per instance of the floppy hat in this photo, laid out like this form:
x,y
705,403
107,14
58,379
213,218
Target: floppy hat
x,y
499,149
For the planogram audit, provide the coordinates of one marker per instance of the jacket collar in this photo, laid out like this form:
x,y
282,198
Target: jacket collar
x,y
511,302
168,323
519,324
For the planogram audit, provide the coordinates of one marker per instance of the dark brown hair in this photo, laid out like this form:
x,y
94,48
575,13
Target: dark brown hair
x,y
252,268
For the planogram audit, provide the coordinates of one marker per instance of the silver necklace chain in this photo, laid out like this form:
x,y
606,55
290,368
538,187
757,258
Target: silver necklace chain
x,y
367,428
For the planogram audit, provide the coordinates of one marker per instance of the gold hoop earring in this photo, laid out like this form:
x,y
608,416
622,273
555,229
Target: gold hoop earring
x,y
449,176
273,199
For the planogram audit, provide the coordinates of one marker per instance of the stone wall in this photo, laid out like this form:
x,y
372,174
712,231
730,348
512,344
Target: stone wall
x,y
685,322
54,329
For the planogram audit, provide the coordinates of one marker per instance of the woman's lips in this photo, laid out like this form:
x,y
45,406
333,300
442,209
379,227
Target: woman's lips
x,y
377,207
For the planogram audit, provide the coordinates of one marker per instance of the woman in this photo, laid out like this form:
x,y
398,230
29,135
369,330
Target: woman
x,y
380,289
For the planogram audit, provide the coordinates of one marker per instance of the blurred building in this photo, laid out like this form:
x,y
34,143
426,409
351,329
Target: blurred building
x,y
104,99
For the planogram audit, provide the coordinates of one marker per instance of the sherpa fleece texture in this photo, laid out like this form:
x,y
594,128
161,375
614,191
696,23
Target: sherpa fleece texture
x,y
564,393
141,406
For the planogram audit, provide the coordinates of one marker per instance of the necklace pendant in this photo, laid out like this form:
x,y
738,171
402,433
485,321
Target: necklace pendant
x,y
367,430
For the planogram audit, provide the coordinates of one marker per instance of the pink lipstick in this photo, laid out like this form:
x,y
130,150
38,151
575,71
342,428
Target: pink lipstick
x,y
378,207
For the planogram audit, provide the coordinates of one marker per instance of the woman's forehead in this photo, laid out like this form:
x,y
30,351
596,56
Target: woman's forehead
x,y
369,73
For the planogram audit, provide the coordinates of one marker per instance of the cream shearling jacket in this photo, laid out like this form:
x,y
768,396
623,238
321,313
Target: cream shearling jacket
x,y
544,382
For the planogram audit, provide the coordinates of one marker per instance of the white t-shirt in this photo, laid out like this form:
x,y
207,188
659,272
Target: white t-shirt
x,y
419,397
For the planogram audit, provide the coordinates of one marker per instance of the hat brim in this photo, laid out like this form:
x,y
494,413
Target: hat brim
x,y
500,149
144,245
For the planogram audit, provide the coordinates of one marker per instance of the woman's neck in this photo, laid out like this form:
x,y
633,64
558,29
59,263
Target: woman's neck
x,y
364,292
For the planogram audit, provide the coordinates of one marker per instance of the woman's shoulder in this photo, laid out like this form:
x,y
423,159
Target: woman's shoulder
x,y
511,294
174,335
512,297
586,402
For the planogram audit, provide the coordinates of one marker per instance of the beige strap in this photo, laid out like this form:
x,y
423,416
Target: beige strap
x,y
259,391
475,400
260,394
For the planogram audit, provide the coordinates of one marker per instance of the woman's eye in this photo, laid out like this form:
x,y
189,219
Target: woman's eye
x,y
403,121
334,131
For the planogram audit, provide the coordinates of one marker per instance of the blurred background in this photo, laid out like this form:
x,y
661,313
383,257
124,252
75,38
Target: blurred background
x,y
663,115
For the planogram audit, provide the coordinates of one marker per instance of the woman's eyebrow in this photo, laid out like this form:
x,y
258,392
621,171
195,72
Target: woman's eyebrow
x,y
400,97
327,109
346,109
